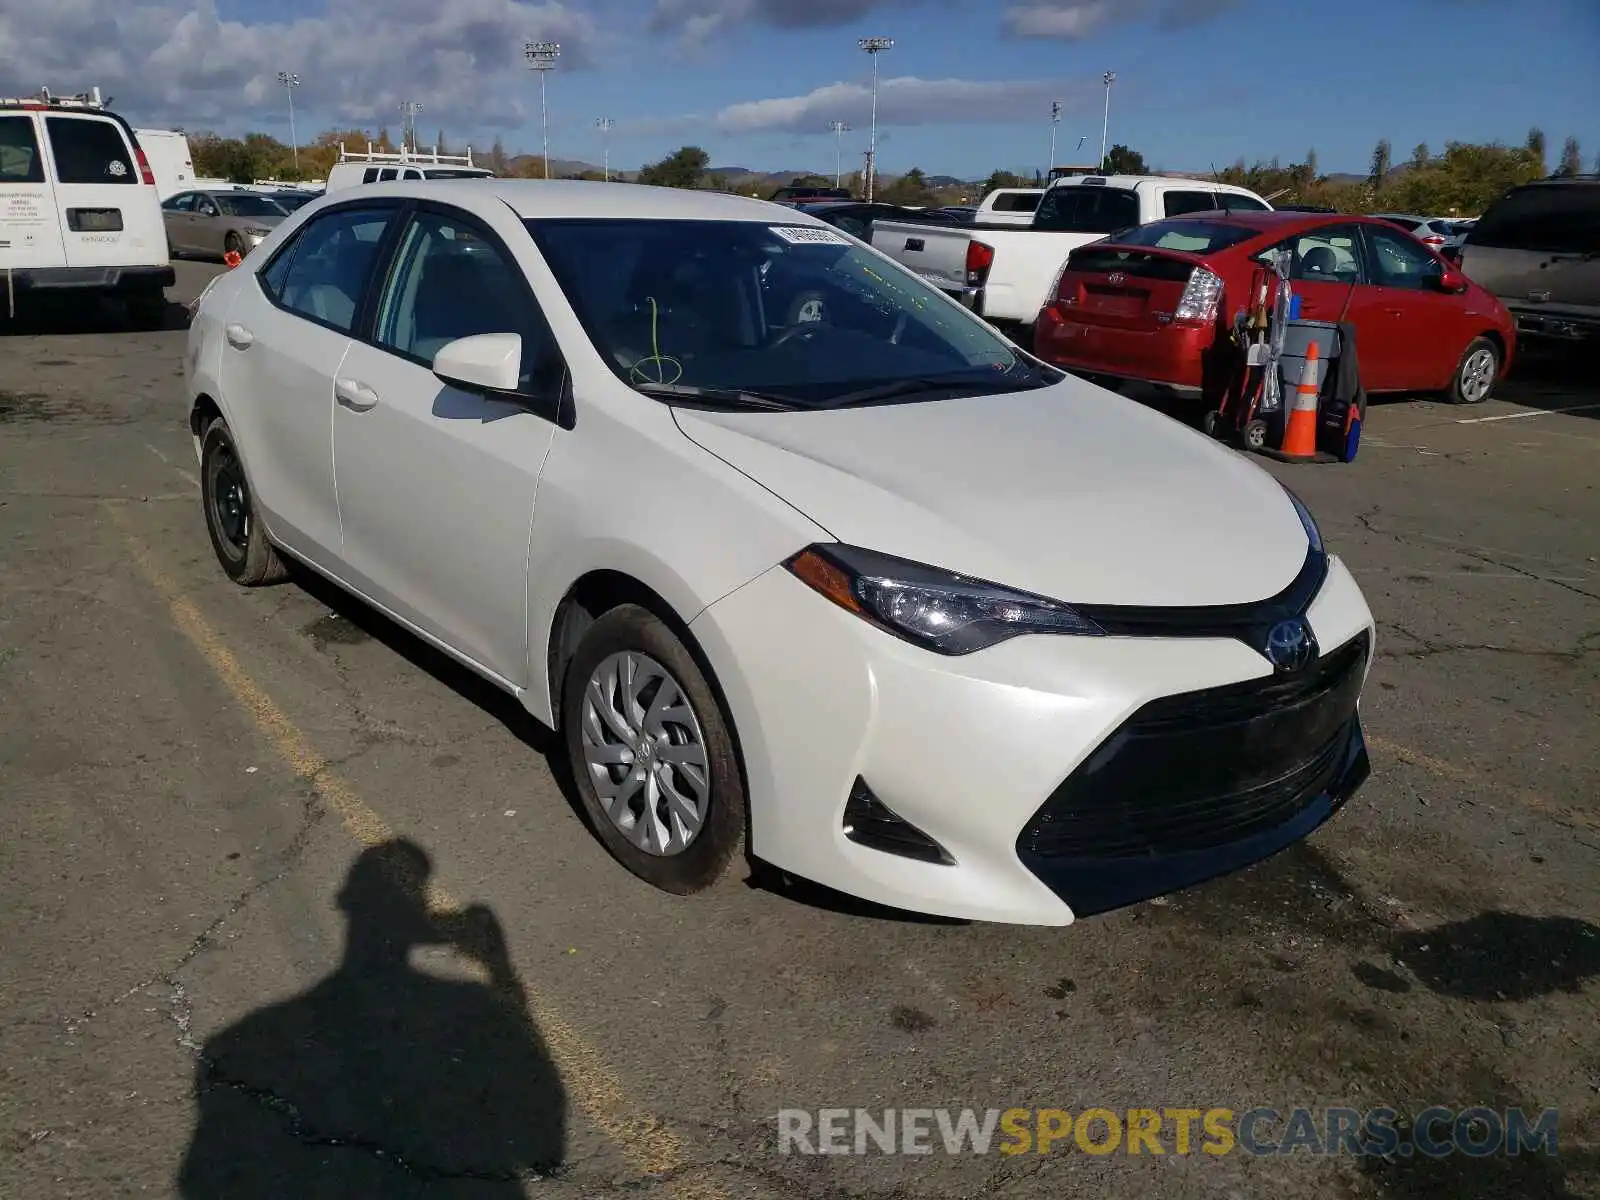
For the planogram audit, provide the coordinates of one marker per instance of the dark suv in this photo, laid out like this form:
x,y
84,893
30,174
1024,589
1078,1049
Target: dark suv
x,y
798,192
1538,249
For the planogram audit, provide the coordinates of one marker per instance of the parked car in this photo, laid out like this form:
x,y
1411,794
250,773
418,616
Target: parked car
x,y
1004,273
80,218
219,222
1153,304
1538,249
798,193
1433,232
356,167
857,219
1009,206
170,160
825,589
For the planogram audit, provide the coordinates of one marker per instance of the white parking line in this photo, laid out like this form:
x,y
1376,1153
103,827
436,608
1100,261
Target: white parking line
x,y
1542,412
188,478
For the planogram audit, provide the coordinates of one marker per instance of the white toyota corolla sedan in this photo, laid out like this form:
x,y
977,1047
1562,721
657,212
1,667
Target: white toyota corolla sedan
x,y
796,553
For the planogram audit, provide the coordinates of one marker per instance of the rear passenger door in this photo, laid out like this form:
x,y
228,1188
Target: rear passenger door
x,y
30,224
436,484
109,215
286,336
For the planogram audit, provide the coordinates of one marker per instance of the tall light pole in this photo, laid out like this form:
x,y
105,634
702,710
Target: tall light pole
x,y
1055,121
874,46
290,81
1108,79
838,129
542,57
408,131
604,125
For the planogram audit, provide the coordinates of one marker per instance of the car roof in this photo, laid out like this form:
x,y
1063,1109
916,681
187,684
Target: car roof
x,y
1133,181
573,198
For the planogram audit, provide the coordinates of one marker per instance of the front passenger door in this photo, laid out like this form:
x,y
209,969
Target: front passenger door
x,y
436,484
1419,331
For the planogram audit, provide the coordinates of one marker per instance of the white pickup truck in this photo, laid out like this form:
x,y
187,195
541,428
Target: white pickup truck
x,y
1005,273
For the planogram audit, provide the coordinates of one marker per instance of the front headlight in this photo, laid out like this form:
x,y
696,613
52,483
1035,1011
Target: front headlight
x,y
935,609
1307,521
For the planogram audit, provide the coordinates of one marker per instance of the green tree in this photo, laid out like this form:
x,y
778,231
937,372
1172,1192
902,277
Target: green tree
x,y
910,190
1311,164
681,169
1120,160
1571,158
1536,146
1379,171
1420,156
1001,179
439,143
500,162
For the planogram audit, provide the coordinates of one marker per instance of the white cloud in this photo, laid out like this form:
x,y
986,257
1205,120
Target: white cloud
x,y
905,100
1075,20
696,22
177,62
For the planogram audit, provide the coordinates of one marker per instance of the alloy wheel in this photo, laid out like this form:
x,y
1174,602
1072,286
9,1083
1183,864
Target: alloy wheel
x,y
1477,375
645,753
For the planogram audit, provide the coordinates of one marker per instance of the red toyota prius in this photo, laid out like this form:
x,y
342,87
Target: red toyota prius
x,y
1154,303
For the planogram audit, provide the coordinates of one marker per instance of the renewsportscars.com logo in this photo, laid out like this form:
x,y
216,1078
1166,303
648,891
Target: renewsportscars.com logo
x,y
1378,1132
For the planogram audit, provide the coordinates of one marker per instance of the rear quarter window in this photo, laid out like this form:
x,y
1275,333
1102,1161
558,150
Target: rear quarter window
x,y
1553,220
1017,202
1175,204
19,151
90,150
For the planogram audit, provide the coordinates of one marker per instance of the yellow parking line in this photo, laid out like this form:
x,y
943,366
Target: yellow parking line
x,y
1562,814
595,1087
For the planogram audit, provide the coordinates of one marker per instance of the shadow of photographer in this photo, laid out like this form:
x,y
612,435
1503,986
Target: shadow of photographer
x,y
381,1079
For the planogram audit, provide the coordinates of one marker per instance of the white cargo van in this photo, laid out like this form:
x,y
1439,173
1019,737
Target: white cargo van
x,y
79,216
170,160
382,166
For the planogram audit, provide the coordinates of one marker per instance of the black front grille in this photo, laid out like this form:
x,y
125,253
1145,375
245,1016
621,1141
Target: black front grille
x,y
1207,768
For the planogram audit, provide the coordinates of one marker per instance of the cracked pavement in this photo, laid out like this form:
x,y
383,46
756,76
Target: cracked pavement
x,y
203,994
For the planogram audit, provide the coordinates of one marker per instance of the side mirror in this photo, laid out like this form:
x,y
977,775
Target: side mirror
x,y
484,362
1452,280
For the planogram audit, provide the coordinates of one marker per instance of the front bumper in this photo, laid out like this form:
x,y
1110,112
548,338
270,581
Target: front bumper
x,y
970,750
1537,325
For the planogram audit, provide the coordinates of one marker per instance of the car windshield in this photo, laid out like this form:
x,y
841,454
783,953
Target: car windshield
x,y
1196,237
291,202
791,315
246,205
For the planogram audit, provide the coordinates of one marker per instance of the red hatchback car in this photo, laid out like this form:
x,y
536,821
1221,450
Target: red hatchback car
x,y
1154,303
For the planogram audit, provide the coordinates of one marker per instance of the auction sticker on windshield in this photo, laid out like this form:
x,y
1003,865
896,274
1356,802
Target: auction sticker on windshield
x,y
806,235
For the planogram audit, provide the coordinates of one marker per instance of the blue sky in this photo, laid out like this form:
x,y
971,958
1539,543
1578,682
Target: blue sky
x,y
966,88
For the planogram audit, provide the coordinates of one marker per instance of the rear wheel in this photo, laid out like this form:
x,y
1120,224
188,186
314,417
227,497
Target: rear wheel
x,y
238,538
652,752
1476,373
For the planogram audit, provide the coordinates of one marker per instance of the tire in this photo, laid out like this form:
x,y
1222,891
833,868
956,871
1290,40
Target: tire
x,y
239,540
148,311
1255,435
233,244
680,862
1476,373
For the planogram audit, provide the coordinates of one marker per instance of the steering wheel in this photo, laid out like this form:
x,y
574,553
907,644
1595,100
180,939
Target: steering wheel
x,y
807,329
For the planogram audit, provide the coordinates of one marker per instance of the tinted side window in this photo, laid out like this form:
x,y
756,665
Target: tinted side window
x,y
1399,261
328,266
19,151
1080,209
1016,202
1331,254
180,203
1175,204
449,282
370,175
90,150
1234,203
1548,219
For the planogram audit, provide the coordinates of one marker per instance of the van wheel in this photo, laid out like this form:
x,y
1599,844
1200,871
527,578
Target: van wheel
x,y
148,311
1476,373
652,753
239,539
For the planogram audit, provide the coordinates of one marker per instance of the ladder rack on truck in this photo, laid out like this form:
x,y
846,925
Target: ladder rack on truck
x,y
46,99
430,156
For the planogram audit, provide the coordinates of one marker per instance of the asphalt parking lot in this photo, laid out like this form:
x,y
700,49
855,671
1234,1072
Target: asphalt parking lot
x,y
204,984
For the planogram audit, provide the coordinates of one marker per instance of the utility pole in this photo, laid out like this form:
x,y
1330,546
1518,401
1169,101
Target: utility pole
x,y
408,129
1055,122
1108,79
874,46
290,81
838,129
605,125
542,57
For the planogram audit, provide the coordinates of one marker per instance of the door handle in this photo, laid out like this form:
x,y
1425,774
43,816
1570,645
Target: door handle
x,y
357,396
239,337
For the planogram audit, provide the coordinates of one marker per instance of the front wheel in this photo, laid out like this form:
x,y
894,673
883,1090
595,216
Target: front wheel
x,y
1476,373
652,753
233,244
239,540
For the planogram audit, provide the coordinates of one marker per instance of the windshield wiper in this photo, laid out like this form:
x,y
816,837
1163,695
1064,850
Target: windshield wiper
x,y
731,397
908,387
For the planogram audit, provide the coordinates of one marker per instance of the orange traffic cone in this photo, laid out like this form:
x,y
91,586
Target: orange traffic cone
x,y
232,258
1300,431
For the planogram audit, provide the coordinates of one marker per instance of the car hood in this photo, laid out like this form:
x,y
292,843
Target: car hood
x,y
1070,491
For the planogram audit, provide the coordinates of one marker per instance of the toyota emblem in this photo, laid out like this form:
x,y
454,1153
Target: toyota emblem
x,y
1117,278
1290,645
